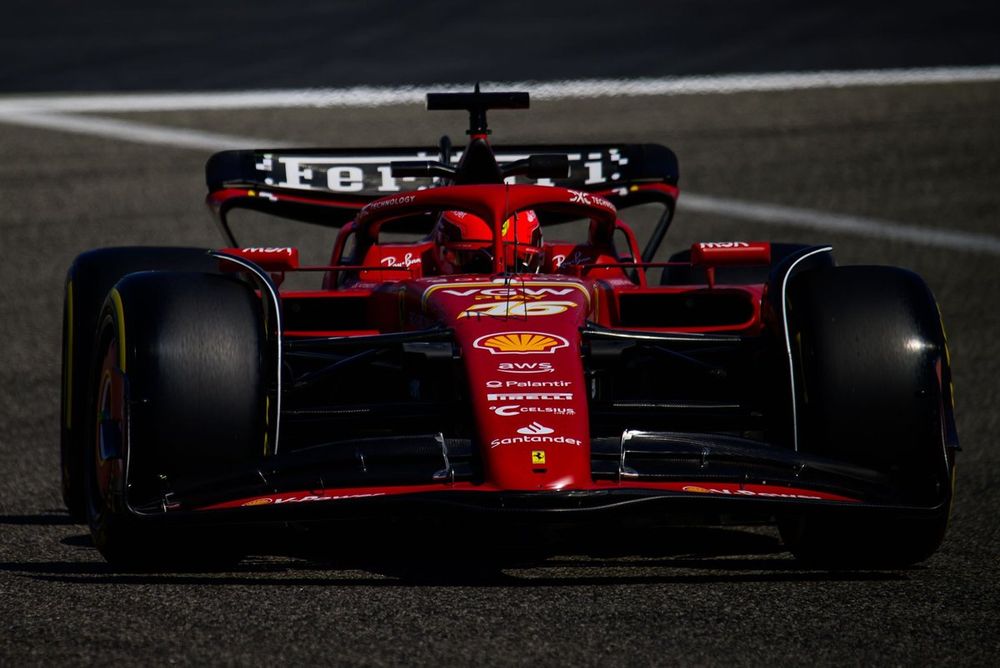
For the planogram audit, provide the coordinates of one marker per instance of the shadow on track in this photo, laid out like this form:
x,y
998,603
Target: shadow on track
x,y
40,519
667,556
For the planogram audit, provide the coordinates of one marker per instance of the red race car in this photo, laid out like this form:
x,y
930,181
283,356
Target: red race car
x,y
488,341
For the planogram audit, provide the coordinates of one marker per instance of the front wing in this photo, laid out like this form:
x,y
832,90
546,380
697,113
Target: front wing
x,y
661,477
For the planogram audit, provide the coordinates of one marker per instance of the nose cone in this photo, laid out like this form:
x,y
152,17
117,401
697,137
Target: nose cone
x,y
520,344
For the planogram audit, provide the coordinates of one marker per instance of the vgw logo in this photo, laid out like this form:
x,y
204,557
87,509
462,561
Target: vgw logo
x,y
511,292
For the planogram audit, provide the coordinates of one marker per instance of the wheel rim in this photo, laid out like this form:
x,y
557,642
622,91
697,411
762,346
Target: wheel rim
x,y
108,445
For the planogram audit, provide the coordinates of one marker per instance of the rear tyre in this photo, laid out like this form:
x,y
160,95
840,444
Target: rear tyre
x,y
88,281
179,391
874,390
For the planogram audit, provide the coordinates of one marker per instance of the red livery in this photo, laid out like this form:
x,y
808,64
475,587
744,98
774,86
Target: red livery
x,y
488,338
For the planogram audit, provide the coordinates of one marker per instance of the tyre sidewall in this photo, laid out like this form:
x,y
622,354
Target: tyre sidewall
x,y
189,347
87,284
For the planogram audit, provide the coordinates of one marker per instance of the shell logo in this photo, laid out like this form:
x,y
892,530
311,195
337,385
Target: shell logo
x,y
520,343
262,501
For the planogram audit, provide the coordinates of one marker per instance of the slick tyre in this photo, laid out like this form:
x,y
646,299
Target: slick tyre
x,y
178,390
873,377
88,281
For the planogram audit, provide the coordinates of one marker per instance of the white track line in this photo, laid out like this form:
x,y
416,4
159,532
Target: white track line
x,y
835,223
134,131
50,113
771,214
368,96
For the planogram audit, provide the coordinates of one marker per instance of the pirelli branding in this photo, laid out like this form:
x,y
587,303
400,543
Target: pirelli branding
x,y
531,396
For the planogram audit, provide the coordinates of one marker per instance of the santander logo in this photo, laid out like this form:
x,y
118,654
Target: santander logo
x,y
535,429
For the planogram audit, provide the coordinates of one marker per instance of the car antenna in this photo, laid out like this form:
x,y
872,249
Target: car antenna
x,y
477,104
477,115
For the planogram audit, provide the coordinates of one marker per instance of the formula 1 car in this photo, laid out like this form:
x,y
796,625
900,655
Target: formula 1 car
x,y
489,342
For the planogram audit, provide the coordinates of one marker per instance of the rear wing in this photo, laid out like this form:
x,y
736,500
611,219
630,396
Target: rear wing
x,y
329,186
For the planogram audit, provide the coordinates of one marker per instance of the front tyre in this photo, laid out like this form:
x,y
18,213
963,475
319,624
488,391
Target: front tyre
x,y
180,390
873,389
88,281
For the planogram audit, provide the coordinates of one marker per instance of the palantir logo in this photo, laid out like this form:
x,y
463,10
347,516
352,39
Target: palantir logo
x,y
535,429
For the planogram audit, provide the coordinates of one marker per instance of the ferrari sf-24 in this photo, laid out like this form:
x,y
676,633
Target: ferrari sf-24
x,y
488,342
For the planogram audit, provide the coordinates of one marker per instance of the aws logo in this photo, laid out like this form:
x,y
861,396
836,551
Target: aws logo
x,y
525,367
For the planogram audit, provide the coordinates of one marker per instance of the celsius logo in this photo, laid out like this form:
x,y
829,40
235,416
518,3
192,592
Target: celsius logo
x,y
514,410
535,429
525,367
520,343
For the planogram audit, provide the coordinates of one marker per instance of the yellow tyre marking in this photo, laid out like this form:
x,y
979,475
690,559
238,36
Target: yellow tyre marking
x,y
116,298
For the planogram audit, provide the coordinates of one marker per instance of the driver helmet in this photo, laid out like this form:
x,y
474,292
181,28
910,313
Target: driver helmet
x,y
463,243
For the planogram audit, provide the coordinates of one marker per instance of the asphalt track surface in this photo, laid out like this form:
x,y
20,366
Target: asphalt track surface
x,y
926,156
